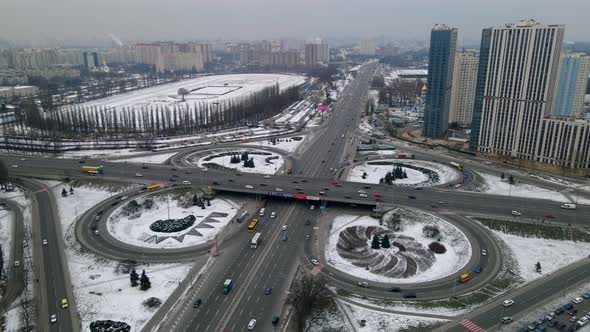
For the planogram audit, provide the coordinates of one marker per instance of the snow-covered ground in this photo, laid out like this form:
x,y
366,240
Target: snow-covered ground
x,y
495,186
364,319
416,178
379,152
167,94
150,159
102,291
135,230
552,254
430,266
286,144
6,229
261,166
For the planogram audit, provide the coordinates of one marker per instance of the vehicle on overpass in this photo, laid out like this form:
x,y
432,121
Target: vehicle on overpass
x,y
405,156
228,285
154,187
252,225
92,170
456,165
256,239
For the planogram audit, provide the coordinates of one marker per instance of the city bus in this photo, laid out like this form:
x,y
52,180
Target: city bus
x,y
256,239
153,187
252,225
456,165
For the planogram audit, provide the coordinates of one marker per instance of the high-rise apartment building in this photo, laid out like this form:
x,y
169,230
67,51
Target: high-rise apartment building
x,y
463,92
311,55
367,47
443,43
90,60
570,88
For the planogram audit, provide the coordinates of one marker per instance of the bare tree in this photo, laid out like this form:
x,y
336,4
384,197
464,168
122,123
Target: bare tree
x,y
182,92
307,292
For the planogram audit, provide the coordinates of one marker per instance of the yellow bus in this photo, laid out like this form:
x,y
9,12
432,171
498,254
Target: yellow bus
x,y
252,225
464,278
153,187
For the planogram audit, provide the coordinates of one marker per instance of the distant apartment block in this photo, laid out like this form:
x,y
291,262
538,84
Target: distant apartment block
x,y
90,60
443,43
463,92
570,88
367,47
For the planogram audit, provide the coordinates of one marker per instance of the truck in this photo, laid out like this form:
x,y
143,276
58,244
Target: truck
x,y
405,156
227,286
92,170
256,239
456,165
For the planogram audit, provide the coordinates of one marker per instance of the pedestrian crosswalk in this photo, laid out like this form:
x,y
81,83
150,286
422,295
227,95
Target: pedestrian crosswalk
x,y
472,326
317,269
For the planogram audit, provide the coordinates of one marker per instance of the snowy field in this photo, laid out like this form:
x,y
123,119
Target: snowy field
x,y
441,174
552,254
260,161
495,186
101,288
6,229
429,266
135,229
167,94
286,144
150,159
368,320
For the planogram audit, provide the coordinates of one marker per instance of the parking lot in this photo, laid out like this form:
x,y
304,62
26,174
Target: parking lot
x,y
571,316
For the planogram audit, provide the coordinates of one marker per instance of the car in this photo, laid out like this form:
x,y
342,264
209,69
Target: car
x,y
248,186
96,231
307,222
550,316
238,174
363,195
138,175
187,172
262,184
516,213
567,306
572,328
532,326
395,290
573,319
197,303
273,214
312,207
583,321
409,296
550,216
572,311
378,195
278,189
484,252
314,261
251,324
558,311
363,284
366,187
215,183
304,181
285,238
231,180
16,263
506,320
552,323
586,296
172,180
275,320
507,303
412,197
14,166
477,269
53,318
577,300
434,206
321,193
362,192
186,182
307,236
64,303
268,291
175,175
44,242
144,167
82,161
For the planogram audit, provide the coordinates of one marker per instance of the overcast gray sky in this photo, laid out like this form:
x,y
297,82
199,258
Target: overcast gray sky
x,y
87,21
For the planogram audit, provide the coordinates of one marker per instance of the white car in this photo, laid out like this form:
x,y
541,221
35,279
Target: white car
x,y
251,324
267,176
363,195
44,241
484,252
583,321
14,166
186,182
508,303
138,175
578,300
16,263
362,192
53,318
248,186
314,261
284,227
278,189
312,207
516,213
273,214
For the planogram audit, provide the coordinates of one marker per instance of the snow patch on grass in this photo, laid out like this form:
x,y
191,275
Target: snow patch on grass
x,y
416,178
371,320
496,186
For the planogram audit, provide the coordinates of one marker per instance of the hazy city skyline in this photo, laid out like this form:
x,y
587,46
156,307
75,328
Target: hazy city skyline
x,y
66,21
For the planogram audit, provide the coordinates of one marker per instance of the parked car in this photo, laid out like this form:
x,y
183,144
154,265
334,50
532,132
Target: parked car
x,y
577,300
506,320
516,213
508,303
363,284
197,303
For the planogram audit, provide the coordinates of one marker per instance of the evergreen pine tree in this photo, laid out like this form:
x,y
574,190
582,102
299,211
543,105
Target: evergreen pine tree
x,y
64,193
381,181
511,179
404,175
502,176
71,191
144,282
133,277
385,242
375,242
195,200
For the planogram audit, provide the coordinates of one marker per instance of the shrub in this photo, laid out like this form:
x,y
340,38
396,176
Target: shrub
x,y
437,248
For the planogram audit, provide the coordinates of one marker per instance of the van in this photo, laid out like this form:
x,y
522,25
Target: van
x,y
568,206
262,212
251,324
464,278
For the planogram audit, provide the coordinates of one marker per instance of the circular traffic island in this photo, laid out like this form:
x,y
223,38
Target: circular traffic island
x,y
404,173
246,160
406,246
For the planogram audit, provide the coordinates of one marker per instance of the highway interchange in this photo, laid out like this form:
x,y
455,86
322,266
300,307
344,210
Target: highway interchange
x,y
276,262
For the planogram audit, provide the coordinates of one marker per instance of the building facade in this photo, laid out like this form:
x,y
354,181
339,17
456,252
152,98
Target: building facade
x,y
367,47
311,55
443,43
463,93
570,88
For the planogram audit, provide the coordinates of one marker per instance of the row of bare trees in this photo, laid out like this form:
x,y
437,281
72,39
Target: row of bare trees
x,y
80,122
